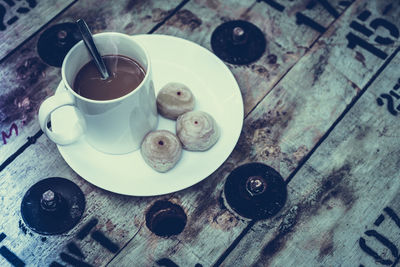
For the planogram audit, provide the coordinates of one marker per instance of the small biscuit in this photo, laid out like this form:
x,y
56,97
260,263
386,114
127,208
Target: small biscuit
x,y
197,130
161,150
174,99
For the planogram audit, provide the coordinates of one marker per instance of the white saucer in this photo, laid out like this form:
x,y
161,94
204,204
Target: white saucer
x,y
216,92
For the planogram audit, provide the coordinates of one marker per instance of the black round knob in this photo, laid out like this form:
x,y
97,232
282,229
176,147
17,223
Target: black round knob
x,y
255,191
238,42
165,218
52,206
55,42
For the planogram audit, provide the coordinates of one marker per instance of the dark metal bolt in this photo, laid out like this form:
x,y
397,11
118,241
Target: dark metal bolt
x,y
238,35
237,31
255,185
48,196
49,201
61,35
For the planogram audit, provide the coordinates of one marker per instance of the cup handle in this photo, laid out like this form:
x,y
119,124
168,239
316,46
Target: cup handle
x,y
47,107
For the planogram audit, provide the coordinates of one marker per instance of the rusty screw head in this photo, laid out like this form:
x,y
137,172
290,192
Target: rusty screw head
x,y
238,35
49,201
237,31
256,185
62,34
48,196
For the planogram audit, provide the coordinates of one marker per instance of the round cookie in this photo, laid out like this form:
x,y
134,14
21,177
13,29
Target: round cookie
x,y
174,99
161,150
197,130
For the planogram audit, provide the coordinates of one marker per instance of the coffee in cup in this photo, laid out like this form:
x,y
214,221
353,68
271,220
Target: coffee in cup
x,y
125,76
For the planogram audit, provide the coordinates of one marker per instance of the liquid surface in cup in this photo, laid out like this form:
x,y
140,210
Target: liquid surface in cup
x,y
125,76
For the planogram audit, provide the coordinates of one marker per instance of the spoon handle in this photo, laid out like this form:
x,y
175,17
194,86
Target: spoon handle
x,y
88,40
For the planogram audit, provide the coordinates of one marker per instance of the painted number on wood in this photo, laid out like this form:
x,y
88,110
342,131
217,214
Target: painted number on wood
x,y
365,27
360,25
302,19
75,255
383,240
9,255
391,100
8,7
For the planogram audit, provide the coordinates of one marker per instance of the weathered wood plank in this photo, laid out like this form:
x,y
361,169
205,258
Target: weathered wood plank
x,y
119,217
282,129
216,215
286,40
211,228
290,121
20,19
301,102
26,80
344,198
147,248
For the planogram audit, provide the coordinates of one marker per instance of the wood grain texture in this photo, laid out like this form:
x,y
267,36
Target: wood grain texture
x,y
209,230
287,42
119,217
210,213
298,95
295,115
21,19
280,131
290,120
25,80
284,222
347,191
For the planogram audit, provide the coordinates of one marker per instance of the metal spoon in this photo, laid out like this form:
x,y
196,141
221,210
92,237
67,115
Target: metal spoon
x,y
88,40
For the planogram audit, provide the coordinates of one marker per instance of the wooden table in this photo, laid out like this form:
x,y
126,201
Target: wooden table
x,y
321,108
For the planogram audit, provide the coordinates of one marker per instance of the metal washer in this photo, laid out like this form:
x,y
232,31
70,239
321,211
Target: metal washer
x,y
255,191
68,213
238,42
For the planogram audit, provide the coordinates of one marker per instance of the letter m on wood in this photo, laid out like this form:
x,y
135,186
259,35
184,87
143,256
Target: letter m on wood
x,y
5,135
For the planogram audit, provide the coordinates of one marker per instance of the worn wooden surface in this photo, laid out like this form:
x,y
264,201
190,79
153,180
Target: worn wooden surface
x,y
211,222
337,197
26,80
21,19
318,110
286,125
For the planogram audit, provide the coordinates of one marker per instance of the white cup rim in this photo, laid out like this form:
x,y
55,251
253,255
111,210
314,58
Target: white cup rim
x,y
111,34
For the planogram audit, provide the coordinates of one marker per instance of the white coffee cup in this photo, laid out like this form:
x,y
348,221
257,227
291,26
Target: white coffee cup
x,y
115,126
